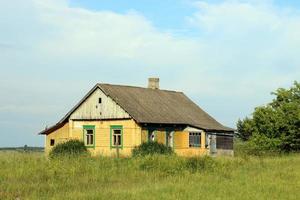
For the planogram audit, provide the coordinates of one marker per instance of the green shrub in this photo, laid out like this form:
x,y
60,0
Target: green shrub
x,y
70,148
257,146
151,148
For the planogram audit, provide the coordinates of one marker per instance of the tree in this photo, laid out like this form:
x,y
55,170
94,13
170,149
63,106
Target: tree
x,y
276,125
245,129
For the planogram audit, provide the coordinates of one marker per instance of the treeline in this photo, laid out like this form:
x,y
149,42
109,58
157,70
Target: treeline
x,y
275,126
24,148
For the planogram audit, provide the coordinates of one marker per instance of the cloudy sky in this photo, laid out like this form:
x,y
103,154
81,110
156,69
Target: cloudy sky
x,y
227,56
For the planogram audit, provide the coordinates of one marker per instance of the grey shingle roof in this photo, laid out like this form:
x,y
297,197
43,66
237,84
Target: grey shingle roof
x,y
146,105
161,107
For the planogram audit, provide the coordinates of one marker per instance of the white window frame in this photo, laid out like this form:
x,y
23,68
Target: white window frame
x,y
193,136
89,138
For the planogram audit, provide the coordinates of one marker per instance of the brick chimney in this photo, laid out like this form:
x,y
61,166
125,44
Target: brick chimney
x,y
153,83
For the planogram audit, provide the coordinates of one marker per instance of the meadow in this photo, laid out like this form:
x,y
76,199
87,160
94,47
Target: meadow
x,y
33,176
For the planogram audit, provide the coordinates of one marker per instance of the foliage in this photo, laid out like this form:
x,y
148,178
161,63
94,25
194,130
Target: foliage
x,y
33,176
150,148
256,147
245,129
69,149
275,126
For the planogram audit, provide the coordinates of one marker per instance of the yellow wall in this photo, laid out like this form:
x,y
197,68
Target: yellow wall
x,y
144,135
133,136
181,145
180,142
60,135
160,136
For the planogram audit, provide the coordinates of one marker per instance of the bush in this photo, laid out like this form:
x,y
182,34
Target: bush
x,y
69,148
151,148
257,146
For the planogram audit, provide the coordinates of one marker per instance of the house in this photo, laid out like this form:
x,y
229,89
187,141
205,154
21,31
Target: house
x,y
113,118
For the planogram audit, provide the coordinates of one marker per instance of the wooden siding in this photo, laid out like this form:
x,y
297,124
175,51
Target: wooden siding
x,y
160,136
181,145
60,135
144,136
131,135
92,109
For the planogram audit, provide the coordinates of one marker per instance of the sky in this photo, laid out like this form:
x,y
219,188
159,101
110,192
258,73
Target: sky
x,y
226,55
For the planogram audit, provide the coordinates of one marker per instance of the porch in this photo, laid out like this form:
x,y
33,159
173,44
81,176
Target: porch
x,y
190,141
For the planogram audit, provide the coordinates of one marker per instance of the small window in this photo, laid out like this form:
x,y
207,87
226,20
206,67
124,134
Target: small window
x,y
117,137
100,100
194,139
52,142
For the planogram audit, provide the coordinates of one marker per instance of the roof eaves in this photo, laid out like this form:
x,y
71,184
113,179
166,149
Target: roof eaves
x,y
51,129
78,104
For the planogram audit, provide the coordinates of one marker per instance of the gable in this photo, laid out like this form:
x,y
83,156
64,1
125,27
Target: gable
x,y
92,109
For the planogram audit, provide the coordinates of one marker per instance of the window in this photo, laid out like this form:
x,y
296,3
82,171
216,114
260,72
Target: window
x,y
224,142
194,139
100,100
116,136
52,142
89,136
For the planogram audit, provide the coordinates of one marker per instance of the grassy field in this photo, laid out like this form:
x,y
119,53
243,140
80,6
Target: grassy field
x,y
32,176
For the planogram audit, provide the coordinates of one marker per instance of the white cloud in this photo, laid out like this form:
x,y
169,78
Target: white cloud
x,y
253,43
51,53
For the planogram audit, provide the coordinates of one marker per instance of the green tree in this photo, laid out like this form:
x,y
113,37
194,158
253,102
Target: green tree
x,y
276,125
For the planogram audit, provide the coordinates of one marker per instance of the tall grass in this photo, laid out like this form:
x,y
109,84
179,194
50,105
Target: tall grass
x,y
32,176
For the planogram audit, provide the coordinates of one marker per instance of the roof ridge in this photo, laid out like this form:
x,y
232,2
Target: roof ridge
x,y
139,87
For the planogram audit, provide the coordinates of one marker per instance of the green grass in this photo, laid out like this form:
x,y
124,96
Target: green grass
x,y
32,176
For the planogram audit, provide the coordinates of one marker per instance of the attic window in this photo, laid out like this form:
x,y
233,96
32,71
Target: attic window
x,y
100,100
52,142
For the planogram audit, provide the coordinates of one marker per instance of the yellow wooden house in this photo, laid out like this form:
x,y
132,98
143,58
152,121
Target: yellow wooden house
x,y
111,117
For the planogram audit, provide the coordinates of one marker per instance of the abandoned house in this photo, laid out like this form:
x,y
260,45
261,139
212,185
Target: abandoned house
x,y
117,117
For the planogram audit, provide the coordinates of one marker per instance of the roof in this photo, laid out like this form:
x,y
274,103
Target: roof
x,y
155,106
161,107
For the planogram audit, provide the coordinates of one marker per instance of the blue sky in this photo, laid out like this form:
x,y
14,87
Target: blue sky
x,y
226,55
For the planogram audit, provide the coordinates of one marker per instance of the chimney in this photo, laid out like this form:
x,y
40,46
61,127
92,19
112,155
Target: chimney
x,y
153,83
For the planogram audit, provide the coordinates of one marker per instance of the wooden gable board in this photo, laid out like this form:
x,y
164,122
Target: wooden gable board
x,y
92,109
